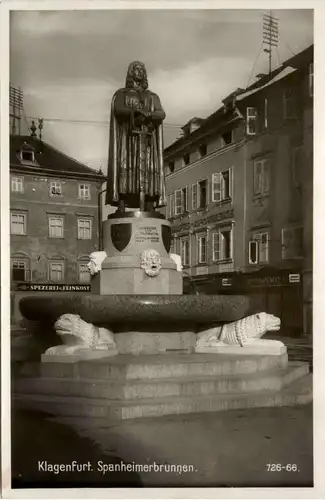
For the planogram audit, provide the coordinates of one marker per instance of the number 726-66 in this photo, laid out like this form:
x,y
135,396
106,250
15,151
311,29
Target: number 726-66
x,y
282,467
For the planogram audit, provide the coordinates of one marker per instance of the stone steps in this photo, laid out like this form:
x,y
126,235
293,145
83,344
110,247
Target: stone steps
x,y
297,392
148,367
160,387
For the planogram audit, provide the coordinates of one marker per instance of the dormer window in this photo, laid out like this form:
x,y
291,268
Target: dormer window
x,y
186,159
227,138
27,154
202,150
171,167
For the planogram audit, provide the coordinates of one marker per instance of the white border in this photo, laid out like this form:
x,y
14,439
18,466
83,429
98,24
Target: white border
x,y
319,277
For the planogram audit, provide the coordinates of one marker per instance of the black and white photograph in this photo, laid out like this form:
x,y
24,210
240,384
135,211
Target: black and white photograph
x,y
159,257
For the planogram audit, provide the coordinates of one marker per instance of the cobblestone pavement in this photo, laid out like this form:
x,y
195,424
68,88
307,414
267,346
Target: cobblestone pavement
x,y
226,449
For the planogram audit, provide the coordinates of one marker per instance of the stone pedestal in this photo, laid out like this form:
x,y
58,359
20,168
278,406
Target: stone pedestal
x,y
126,235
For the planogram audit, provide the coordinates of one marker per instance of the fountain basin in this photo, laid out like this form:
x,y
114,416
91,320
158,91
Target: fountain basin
x,y
159,311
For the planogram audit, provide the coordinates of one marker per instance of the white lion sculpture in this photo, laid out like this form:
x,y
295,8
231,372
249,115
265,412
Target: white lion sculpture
x,y
150,262
95,263
246,332
79,336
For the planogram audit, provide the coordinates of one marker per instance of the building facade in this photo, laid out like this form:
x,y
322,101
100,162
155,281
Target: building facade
x,y
53,214
238,196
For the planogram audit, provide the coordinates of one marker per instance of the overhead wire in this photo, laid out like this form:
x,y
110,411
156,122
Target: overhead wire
x,y
255,63
102,123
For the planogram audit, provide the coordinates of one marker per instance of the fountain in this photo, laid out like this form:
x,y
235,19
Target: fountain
x,y
136,346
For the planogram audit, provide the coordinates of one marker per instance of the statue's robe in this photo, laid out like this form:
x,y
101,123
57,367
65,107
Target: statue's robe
x,y
135,160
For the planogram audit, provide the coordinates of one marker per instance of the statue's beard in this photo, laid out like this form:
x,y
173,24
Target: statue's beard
x,y
138,84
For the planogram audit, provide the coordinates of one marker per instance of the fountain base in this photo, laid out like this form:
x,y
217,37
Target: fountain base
x,y
158,369
128,386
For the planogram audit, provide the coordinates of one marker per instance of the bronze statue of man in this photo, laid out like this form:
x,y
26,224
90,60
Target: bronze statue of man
x,y
135,175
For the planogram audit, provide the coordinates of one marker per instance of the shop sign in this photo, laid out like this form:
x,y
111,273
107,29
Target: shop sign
x,y
294,278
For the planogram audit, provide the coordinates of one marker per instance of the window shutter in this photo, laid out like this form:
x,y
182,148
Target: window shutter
x,y
253,252
230,182
299,242
265,113
287,243
186,199
297,167
172,211
216,186
178,201
216,246
194,196
258,177
266,176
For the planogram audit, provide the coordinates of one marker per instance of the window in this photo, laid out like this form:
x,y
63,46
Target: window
x,y
18,223
170,205
311,79
222,185
56,227
171,166
200,194
84,191
185,251
178,201
185,199
19,270
186,159
297,166
56,271
27,155
289,103
84,229
194,196
17,184
173,246
203,193
227,138
265,112
202,150
261,177
83,273
251,121
202,249
222,244
253,252
292,243
259,248
55,188
181,200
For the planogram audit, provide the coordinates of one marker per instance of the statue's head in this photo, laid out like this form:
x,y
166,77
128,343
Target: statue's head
x,y
136,76
95,262
150,262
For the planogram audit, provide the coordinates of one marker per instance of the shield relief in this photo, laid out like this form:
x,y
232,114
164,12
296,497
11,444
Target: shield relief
x,y
166,233
121,235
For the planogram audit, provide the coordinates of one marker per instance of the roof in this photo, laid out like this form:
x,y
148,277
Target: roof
x,y
219,118
195,119
47,157
301,59
286,71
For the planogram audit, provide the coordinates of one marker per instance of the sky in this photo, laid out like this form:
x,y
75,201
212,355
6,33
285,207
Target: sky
x,y
70,63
